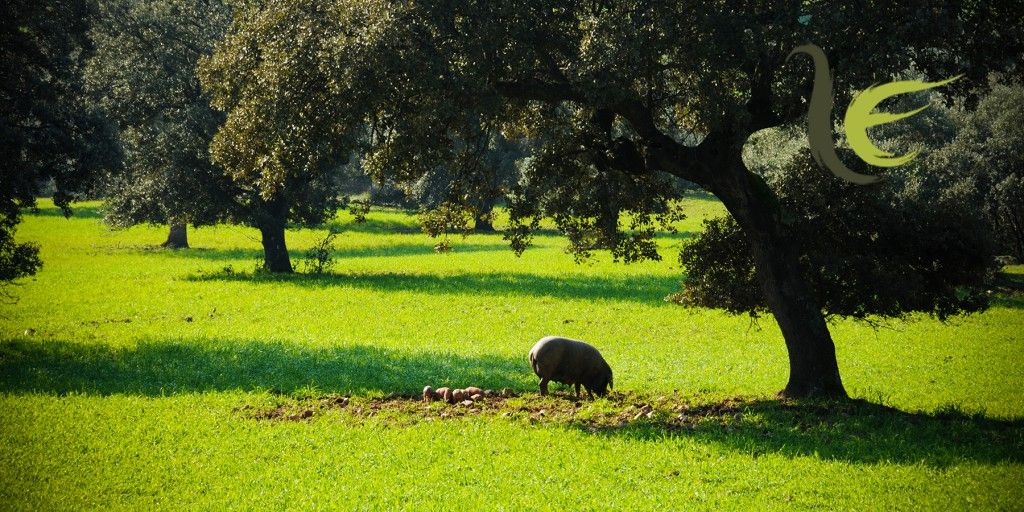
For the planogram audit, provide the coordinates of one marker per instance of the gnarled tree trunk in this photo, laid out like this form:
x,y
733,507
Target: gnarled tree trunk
x,y
813,369
177,237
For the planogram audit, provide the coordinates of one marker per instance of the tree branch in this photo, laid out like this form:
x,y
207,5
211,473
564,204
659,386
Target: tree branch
x,y
533,89
662,151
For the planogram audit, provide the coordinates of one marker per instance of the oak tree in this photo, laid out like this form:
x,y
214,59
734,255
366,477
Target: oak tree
x,y
142,73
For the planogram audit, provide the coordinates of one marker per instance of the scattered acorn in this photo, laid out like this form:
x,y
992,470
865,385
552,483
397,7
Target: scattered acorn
x,y
444,394
460,395
645,411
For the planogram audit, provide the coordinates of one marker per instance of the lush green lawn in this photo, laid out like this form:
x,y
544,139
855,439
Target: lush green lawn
x,y
128,375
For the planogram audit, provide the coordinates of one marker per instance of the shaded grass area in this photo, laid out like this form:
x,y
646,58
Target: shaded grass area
x,y
160,368
45,208
1010,287
375,251
239,255
623,288
857,431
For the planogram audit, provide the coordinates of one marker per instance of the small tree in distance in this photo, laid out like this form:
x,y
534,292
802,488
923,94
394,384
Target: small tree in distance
x,y
165,121
477,189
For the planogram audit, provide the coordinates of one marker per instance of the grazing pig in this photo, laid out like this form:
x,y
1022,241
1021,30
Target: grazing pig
x,y
570,362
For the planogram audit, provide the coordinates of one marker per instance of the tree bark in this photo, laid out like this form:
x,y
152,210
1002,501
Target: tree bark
x,y
483,221
608,221
275,252
177,237
813,369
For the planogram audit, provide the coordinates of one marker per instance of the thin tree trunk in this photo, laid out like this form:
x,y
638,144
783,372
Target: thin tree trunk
x,y
813,369
177,237
483,220
608,226
275,252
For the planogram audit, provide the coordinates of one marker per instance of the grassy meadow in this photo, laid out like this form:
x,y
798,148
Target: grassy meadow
x,y
133,377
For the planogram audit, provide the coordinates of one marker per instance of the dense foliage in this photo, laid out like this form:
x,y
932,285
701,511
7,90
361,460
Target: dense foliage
x,y
923,240
142,73
905,245
986,154
47,129
477,183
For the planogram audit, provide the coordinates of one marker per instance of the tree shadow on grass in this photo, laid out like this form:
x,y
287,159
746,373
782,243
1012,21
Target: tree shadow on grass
x,y
1009,289
157,368
1015,301
373,251
77,211
854,431
645,289
382,226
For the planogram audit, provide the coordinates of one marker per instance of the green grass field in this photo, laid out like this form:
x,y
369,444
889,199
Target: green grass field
x,y
134,378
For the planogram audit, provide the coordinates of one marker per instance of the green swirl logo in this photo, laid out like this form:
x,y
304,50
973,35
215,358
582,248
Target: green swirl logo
x,y
860,116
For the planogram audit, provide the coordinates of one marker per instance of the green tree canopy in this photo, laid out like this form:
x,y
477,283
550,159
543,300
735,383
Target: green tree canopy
x,y
987,154
47,129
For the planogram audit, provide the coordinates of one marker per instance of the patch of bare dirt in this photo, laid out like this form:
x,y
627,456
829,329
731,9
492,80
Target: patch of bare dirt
x,y
618,410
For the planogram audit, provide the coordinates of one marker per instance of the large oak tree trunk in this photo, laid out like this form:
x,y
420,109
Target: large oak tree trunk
x,y
813,369
275,252
177,238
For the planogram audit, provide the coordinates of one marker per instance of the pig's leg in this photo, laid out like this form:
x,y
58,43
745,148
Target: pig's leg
x,y
577,390
543,387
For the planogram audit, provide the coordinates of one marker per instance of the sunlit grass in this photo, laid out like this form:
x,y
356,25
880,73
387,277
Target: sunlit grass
x,y
122,367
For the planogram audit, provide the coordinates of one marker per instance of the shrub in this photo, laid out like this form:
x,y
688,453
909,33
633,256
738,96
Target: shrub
x,y
319,259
